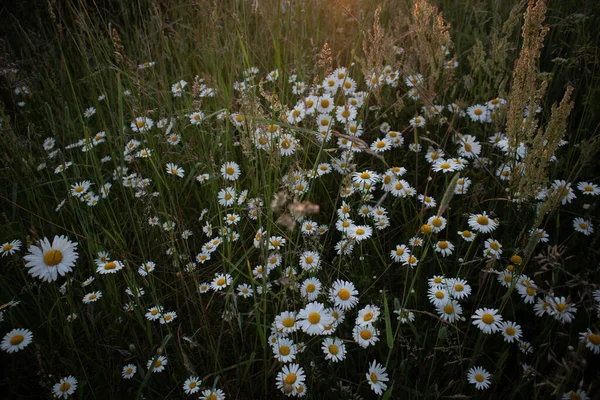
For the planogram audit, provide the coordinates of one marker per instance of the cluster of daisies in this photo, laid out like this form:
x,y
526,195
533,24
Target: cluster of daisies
x,y
330,114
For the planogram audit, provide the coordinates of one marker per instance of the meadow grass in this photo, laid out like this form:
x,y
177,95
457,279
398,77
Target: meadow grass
x,y
505,221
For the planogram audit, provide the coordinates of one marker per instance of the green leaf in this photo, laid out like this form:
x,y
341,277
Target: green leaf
x,y
388,323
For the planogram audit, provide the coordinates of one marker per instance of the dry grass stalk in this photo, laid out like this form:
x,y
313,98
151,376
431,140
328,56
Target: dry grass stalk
x,y
524,90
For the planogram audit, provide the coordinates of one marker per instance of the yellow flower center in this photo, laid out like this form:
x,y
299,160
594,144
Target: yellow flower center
x,y
229,171
443,245
365,175
284,350
111,265
468,147
439,294
53,257
426,228
574,396
399,252
324,103
239,118
449,309
290,378
380,145
516,259
458,287
594,339
310,288
479,378
494,245
366,334
128,371
93,297
560,307
360,231
314,318
530,291
64,386
333,349
368,316
344,294
288,322
285,144
17,339
445,165
192,384
220,281
583,225
374,378
309,260
79,189
227,196
507,278
510,331
140,124
487,318
7,247
482,220
478,111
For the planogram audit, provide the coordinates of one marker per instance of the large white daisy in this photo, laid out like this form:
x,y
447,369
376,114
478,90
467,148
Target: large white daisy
x,y
50,260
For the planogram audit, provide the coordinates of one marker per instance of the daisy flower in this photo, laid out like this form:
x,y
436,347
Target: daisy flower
x,y
583,225
129,371
487,319
310,260
89,112
50,260
444,247
592,340
365,178
290,377
65,387
142,124
438,295
79,189
563,311
167,317
478,113
366,335
449,311
192,385
400,253
313,318
368,315
220,282
404,316
173,169
580,394
458,288
377,377
360,232
334,349
158,364
343,294
91,297
482,223
286,322
511,331
245,290
212,394
196,117
230,171
492,247
311,288
284,350
9,248
110,267
16,340
417,121
588,188
479,377
444,165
